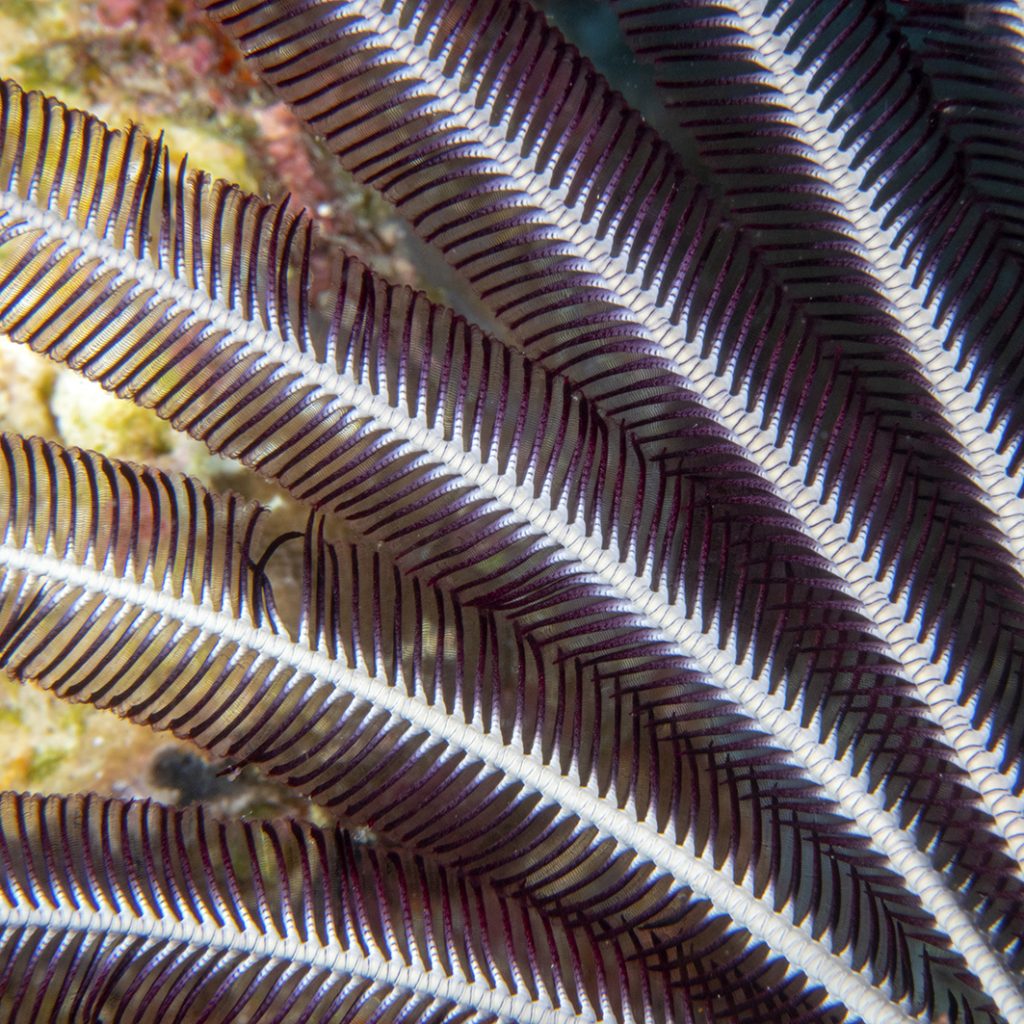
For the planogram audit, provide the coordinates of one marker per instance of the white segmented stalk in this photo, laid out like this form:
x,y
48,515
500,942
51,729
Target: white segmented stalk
x,y
719,666
585,802
881,826
392,973
932,343
967,424
722,667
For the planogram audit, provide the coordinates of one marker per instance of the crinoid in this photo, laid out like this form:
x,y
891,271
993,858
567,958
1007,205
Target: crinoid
x,y
661,639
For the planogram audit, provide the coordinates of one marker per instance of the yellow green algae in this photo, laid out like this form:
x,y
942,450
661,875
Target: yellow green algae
x,y
60,48
157,64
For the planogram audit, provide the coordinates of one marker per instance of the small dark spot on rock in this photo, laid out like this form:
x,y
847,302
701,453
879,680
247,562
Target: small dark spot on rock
x,y
190,775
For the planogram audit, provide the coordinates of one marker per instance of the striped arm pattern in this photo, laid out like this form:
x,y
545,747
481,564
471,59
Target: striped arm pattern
x,y
680,619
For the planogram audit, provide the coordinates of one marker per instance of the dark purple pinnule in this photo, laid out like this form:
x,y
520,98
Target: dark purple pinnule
x,y
138,912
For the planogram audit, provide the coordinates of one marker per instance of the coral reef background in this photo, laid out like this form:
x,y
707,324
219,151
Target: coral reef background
x,y
157,63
